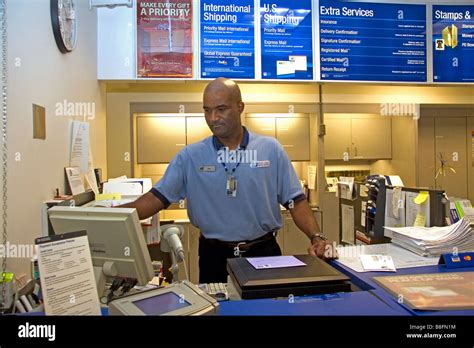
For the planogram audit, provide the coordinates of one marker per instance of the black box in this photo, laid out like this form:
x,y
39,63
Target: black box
x,y
317,277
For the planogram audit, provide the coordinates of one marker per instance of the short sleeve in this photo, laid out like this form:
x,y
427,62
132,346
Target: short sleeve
x,y
289,187
172,186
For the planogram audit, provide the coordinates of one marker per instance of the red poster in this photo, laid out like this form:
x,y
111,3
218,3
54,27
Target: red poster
x,y
165,38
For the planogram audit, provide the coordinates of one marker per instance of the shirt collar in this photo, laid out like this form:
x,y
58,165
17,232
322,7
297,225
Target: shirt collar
x,y
243,144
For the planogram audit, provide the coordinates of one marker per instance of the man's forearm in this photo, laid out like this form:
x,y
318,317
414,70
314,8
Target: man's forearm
x,y
304,218
306,222
147,205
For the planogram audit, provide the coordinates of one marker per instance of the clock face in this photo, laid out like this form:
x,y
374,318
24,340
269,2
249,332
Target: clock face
x,y
64,23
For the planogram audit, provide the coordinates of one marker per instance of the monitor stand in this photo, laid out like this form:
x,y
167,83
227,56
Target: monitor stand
x,y
101,273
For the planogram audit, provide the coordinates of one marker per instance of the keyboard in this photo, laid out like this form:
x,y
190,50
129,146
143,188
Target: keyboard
x,y
216,290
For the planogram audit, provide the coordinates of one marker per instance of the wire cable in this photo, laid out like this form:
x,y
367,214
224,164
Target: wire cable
x,y
3,34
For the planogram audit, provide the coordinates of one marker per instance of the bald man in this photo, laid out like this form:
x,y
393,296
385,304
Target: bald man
x,y
234,182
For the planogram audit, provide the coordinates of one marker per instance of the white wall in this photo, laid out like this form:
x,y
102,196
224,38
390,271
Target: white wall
x,y
39,73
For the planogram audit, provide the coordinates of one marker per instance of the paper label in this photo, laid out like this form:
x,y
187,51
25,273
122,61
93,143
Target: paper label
x,y
67,276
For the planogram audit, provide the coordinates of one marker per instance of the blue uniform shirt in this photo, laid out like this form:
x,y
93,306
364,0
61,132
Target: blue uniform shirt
x,y
265,179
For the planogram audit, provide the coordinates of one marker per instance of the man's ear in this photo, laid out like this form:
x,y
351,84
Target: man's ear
x,y
241,106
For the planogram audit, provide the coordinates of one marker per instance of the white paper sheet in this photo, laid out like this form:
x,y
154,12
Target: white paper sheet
x,y
67,277
90,175
401,258
395,208
74,178
347,217
363,212
413,209
79,149
275,262
377,263
346,187
146,183
395,180
312,177
332,184
120,178
124,188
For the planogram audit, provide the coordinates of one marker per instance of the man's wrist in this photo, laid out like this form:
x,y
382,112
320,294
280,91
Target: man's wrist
x,y
317,237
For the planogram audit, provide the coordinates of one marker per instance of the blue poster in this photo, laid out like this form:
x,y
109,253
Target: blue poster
x,y
286,39
227,39
453,44
372,42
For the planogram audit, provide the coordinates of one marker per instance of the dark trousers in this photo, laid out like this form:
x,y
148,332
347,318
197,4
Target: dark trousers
x,y
213,258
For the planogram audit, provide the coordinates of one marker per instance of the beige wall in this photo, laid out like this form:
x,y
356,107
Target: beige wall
x,y
403,152
337,98
120,96
39,73
433,116
360,94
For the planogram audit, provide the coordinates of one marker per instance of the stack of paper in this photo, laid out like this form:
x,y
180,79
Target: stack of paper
x,y
469,215
434,241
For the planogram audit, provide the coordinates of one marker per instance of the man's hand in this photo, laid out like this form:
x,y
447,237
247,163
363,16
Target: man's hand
x,y
322,249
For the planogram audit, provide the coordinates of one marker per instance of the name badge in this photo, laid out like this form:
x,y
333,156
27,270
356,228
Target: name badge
x,y
207,169
260,164
231,186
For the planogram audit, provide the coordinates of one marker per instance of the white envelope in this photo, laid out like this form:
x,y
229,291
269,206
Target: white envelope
x,y
285,67
300,62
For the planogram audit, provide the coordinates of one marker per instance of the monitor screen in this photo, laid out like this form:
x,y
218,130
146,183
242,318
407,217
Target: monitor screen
x,y
116,240
161,304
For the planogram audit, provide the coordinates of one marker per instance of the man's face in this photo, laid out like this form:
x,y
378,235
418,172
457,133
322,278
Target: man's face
x,y
222,112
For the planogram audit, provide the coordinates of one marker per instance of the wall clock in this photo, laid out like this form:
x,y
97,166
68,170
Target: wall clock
x,y
63,20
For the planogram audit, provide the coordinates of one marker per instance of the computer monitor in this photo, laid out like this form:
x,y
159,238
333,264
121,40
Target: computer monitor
x,y
116,241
